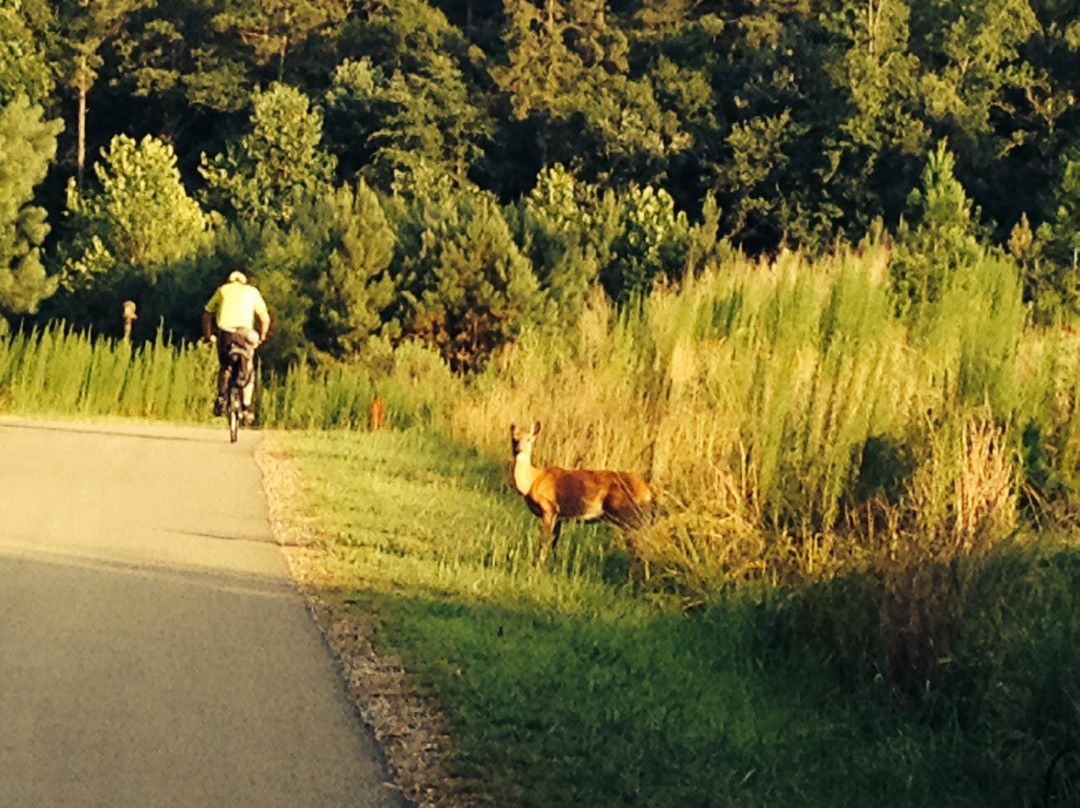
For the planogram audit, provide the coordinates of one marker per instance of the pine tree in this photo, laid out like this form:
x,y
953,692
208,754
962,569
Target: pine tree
x,y
554,229
942,235
272,28
24,69
652,244
408,99
466,287
356,288
82,27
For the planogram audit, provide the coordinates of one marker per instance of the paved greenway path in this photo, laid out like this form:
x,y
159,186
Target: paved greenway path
x,y
152,650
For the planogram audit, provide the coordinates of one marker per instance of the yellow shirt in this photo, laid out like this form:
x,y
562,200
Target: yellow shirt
x,y
236,306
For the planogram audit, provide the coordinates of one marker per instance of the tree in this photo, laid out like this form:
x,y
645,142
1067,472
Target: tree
x,y
27,147
81,28
172,55
878,140
554,228
404,119
943,237
767,165
134,222
409,99
278,166
356,288
972,51
568,71
24,69
465,286
1049,258
273,27
652,244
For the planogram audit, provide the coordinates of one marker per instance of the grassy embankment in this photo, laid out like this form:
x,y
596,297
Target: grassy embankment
x,y
854,594
572,686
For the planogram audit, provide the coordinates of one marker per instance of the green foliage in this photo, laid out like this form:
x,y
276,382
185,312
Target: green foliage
x,y
417,106
879,136
181,62
24,69
760,165
653,244
277,167
973,53
466,286
136,221
272,27
354,108
569,71
27,147
555,232
941,237
356,287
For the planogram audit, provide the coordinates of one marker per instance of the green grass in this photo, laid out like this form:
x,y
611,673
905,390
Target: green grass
x,y
58,371
572,685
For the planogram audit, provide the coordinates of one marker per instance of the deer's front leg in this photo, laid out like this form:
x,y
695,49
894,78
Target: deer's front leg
x,y
549,532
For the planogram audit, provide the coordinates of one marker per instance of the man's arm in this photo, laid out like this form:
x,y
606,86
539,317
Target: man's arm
x,y
211,307
262,316
264,326
208,326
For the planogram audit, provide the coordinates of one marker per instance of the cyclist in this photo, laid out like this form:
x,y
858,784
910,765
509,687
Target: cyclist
x,y
235,315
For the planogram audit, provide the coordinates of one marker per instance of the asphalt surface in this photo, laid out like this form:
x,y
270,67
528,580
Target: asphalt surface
x,y
152,649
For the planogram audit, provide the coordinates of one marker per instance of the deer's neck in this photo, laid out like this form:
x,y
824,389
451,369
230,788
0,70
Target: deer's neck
x,y
525,473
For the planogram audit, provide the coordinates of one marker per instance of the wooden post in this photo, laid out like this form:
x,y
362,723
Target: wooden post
x,y
129,317
377,414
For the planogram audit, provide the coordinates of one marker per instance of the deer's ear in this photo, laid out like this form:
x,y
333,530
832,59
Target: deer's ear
x,y
536,428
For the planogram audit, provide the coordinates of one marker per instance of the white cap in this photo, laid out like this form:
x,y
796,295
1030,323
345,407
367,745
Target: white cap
x,y
237,277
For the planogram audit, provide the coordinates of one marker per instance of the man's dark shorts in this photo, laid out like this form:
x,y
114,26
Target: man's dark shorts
x,y
243,341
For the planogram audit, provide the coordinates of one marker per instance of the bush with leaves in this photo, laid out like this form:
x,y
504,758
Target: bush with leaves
x,y
24,69
1049,257
128,230
137,219
553,226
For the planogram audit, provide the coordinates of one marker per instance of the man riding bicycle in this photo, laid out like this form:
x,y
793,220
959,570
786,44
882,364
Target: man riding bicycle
x,y
230,319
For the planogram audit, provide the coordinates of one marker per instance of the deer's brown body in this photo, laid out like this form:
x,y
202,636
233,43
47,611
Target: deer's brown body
x,y
621,498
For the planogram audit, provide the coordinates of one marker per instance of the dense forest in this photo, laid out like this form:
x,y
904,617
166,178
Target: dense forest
x,y
460,170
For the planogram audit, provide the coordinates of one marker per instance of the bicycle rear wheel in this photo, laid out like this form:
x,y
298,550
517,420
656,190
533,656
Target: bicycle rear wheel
x,y
235,407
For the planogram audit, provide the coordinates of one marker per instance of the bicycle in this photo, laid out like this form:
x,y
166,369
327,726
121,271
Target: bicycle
x,y
241,369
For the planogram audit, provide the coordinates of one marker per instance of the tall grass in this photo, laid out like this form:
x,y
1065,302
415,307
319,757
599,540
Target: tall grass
x,y
61,371
790,419
65,372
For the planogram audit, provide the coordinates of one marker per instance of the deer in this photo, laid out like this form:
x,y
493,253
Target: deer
x,y
620,498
